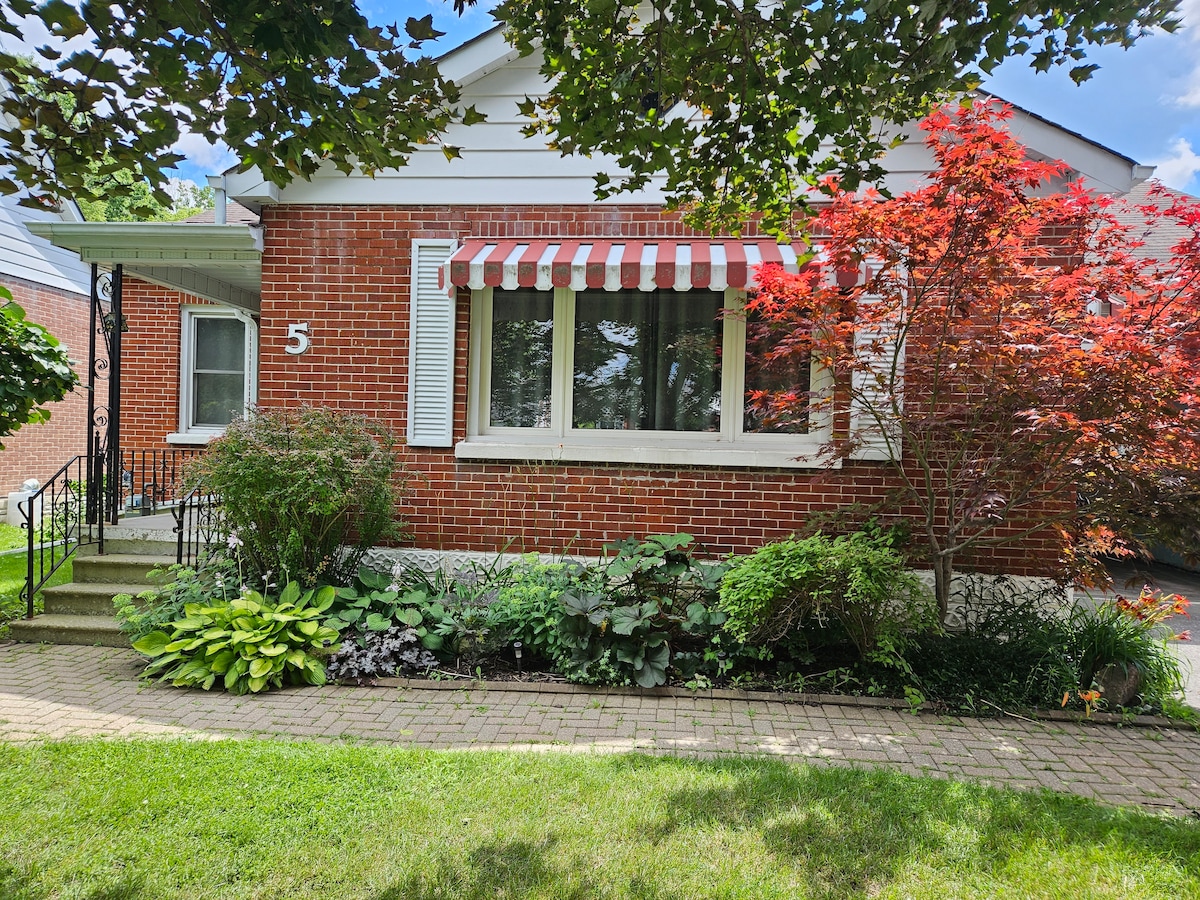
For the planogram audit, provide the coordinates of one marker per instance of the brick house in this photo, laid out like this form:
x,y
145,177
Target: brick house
x,y
558,366
52,285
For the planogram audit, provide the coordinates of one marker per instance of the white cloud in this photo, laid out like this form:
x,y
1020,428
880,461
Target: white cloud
x,y
1189,11
1178,169
212,158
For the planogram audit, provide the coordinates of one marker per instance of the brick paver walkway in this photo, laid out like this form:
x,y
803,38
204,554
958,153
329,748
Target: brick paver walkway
x,y
59,692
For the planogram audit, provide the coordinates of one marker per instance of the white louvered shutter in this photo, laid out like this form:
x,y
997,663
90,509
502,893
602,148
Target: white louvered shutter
x,y
431,348
879,348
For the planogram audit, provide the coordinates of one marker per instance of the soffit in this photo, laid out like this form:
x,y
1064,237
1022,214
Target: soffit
x,y
221,263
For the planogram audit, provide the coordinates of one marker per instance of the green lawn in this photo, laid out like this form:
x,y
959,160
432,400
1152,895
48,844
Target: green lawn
x,y
298,820
11,537
12,579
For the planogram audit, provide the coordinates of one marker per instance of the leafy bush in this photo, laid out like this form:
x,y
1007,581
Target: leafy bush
x,y
371,654
248,644
306,492
625,617
858,580
1014,653
527,608
376,604
215,577
1026,651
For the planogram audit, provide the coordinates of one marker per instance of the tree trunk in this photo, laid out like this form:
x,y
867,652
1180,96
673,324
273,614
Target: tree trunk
x,y
943,575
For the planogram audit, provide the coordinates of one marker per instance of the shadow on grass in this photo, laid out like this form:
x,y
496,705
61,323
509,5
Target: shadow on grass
x,y
497,869
840,832
852,831
629,827
15,885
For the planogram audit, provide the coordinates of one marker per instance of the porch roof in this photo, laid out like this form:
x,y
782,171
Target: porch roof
x,y
221,263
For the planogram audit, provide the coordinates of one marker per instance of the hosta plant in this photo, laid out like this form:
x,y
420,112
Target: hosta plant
x,y
245,645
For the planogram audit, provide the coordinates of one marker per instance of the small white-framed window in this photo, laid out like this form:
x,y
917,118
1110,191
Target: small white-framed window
x,y
657,377
218,365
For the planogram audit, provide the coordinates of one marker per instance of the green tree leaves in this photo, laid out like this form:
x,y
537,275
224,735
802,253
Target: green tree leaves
x,y
732,107
744,107
291,86
34,369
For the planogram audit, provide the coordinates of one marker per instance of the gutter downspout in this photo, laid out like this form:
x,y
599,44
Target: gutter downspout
x,y
220,198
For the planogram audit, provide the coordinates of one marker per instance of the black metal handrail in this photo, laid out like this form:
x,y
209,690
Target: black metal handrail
x,y
153,479
199,523
56,521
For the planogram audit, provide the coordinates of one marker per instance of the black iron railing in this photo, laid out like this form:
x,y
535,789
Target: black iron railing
x,y
57,522
199,523
153,479
72,509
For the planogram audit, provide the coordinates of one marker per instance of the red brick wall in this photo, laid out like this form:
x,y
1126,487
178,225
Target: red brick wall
x,y
150,363
38,451
345,270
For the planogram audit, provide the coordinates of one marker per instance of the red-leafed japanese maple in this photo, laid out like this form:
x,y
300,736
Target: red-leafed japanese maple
x,y
1034,376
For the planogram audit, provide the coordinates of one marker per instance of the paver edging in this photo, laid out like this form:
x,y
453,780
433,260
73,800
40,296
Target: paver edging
x,y
800,699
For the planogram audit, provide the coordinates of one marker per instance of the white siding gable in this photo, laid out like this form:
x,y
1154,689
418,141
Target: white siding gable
x,y
501,166
24,256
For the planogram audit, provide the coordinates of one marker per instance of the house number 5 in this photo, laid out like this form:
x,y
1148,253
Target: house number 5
x,y
297,332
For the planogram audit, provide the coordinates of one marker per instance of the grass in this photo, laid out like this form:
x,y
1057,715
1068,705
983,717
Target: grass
x,y
12,579
122,820
11,537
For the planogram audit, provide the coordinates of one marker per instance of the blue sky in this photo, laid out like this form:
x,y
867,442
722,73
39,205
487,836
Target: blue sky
x,y
1143,103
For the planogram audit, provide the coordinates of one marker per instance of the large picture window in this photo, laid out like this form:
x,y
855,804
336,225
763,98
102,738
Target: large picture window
x,y
640,376
217,371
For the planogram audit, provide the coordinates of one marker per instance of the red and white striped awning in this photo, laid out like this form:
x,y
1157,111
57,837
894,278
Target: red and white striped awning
x,y
612,265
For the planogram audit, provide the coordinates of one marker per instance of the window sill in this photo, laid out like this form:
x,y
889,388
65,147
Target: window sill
x,y
192,438
712,455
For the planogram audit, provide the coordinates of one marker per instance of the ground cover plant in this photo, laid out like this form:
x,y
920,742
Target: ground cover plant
x,y
246,644
817,614
234,819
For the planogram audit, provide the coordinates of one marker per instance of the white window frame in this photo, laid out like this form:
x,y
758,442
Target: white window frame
x,y
730,446
201,434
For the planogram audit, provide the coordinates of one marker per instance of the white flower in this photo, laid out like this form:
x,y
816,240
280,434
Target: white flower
x,y
234,541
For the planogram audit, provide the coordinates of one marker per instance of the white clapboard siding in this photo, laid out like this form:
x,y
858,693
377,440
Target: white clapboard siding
x,y
34,259
431,349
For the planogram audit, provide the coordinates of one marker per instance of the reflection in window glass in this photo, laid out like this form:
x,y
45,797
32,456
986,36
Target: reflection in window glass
x,y
777,390
218,371
647,361
522,347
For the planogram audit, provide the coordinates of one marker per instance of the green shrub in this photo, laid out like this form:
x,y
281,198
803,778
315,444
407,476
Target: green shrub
x,y
1013,653
375,603
1022,649
247,644
527,608
858,580
626,617
306,492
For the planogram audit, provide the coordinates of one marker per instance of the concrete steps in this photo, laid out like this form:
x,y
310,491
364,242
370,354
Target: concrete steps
x,y
82,612
91,631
